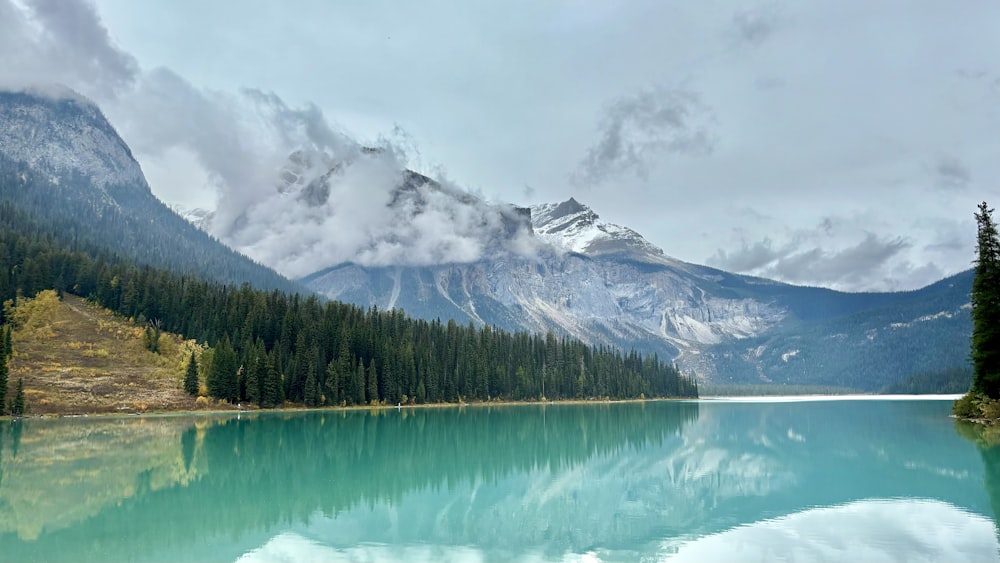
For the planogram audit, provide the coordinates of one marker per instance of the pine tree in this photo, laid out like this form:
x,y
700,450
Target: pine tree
x,y
986,307
223,379
289,372
358,389
191,376
311,392
3,375
256,373
333,383
372,391
212,376
151,339
17,405
271,392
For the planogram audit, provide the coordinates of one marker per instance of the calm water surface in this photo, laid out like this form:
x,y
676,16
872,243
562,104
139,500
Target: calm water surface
x,y
871,480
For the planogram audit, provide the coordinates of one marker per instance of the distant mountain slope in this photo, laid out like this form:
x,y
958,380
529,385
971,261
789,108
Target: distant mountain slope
x,y
913,332
62,162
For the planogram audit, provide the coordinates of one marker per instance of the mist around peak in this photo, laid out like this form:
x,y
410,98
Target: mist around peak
x,y
372,211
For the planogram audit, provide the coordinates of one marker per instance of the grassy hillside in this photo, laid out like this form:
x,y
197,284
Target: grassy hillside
x,y
76,357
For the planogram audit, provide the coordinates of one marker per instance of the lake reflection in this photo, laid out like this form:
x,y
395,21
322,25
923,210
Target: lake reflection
x,y
866,480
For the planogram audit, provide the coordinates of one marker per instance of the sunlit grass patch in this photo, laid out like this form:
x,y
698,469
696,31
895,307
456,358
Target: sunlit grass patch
x,y
83,358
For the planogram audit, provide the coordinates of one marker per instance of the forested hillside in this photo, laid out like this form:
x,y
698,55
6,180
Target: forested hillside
x,y
919,341
123,219
269,347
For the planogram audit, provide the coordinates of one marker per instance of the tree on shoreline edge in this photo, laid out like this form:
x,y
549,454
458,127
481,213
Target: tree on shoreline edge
x,y
985,299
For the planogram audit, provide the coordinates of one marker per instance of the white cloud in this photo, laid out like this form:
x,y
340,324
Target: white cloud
x,y
637,131
61,41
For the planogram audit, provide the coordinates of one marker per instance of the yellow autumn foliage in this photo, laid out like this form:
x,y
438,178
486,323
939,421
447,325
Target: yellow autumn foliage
x,y
33,315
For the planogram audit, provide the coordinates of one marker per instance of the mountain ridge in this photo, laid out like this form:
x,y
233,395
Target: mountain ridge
x,y
63,163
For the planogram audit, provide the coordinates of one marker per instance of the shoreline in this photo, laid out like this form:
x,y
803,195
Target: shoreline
x,y
237,410
290,409
815,397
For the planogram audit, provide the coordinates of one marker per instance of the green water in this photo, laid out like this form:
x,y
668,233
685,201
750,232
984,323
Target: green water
x,y
702,481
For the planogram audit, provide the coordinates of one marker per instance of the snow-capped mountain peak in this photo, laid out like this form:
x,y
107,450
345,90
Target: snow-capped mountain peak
x,y
574,227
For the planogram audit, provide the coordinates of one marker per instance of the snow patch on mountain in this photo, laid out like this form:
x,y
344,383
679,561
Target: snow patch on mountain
x,y
924,319
201,218
62,133
574,227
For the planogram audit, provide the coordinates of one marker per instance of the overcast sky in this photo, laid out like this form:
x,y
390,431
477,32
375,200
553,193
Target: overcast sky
x,y
834,143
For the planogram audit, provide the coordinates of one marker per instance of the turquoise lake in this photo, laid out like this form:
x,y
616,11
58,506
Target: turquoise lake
x,y
711,480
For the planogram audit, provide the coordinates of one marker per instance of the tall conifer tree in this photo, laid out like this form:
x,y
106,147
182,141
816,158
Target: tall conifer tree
x,y
372,392
256,372
986,306
358,387
271,394
223,380
191,376
3,373
311,392
17,406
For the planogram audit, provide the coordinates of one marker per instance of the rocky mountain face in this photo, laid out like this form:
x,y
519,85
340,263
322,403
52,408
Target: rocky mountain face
x,y
606,284
62,134
63,164
595,281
